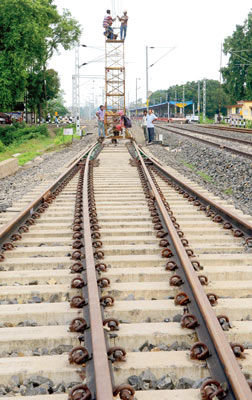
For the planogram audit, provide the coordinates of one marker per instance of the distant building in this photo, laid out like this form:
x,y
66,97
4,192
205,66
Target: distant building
x,y
242,109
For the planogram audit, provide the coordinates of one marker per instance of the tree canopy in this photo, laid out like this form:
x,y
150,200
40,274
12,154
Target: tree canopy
x,y
30,32
237,74
57,105
216,96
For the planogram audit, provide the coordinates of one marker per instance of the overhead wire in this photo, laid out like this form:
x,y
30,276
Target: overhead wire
x,y
162,56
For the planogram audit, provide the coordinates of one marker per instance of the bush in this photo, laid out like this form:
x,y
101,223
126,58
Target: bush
x,y
20,133
2,147
248,124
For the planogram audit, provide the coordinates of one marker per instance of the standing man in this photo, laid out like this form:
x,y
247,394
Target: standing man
x,y
124,23
100,115
144,126
151,117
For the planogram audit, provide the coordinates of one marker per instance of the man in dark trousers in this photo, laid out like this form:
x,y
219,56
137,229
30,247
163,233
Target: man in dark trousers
x,y
151,117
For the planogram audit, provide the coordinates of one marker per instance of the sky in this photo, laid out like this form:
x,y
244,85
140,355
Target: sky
x,y
195,28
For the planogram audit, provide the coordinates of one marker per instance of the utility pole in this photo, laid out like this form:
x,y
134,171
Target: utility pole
x,y
183,100
136,93
219,116
168,106
204,99
175,107
77,81
220,62
199,100
147,80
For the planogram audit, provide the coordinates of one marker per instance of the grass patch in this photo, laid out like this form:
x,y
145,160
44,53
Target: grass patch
x,y
191,166
204,176
33,147
24,158
200,173
228,191
207,120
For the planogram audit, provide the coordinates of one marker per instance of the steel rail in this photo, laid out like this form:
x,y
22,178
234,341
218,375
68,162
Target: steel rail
x,y
233,371
231,139
6,230
229,128
219,146
231,217
103,382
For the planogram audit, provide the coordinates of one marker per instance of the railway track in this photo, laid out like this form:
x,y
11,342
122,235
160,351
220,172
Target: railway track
x,y
229,128
111,260
219,141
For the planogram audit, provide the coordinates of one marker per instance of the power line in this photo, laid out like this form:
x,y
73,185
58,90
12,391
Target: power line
x,y
170,49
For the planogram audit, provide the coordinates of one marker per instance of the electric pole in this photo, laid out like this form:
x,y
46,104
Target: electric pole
x,y
204,99
147,77
199,100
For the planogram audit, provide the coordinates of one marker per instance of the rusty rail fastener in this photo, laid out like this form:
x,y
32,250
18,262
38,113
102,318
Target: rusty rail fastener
x,y
78,355
203,280
167,253
213,298
176,280
238,350
181,299
189,321
77,268
212,389
171,266
77,283
107,301
77,302
80,392
126,392
78,325
116,354
101,267
112,323
199,351
103,282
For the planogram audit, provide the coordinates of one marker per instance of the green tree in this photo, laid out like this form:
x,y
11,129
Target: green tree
x,y
42,87
30,32
57,105
216,96
238,73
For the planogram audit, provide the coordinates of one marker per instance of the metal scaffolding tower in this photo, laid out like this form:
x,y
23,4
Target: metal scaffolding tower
x,y
114,84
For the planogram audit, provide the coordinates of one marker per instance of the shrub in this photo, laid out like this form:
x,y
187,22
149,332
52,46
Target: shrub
x,y
19,133
2,147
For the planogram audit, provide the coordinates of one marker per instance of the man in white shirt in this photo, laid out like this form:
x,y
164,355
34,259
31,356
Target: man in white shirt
x,y
100,115
144,126
151,117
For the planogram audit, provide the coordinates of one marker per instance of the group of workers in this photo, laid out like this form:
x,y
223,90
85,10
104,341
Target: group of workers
x,y
116,127
108,22
147,123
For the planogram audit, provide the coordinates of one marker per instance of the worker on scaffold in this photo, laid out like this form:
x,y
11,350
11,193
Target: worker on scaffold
x,y
124,23
107,24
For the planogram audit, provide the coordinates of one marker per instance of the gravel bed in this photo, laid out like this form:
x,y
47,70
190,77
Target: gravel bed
x,y
219,141
34,385
224,174
42,168
148,381
38,351
228,134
